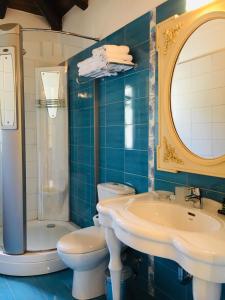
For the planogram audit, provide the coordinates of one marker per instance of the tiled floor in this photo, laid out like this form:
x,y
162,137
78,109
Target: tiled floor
x,y
56,286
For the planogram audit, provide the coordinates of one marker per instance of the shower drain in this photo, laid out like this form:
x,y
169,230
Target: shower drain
x,y
50,225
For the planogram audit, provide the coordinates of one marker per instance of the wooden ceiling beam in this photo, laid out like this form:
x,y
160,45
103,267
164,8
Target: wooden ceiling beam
x,y
49,12
83,4
3,8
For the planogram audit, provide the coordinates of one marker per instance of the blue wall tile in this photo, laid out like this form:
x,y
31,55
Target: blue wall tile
x,y
141,56
137,85
115,114
84,136
169,9
114,176
117,38
115,136
136,33
166,279
123,101
102,157
115,159
84,155
114,90
102,115
83,117
139,182
136,137
136,162
102,92
135,111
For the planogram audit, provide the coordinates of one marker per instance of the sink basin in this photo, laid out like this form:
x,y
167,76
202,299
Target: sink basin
x,y
153,224
174,216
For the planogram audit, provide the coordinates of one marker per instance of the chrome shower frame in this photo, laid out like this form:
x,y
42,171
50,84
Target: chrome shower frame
x,y
61,32
13,154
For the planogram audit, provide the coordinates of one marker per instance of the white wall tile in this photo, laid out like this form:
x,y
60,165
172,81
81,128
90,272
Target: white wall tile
x,y
31,153
32,170
201,115
218,130
201,66
218,114
219,147
30,117
31,136
29,85
32,186
217,79
202,131
202,148
29,67
218,60
201,82
29,102
182,71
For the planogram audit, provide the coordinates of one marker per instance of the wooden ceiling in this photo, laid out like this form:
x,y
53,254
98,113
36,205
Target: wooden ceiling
x,y
52,10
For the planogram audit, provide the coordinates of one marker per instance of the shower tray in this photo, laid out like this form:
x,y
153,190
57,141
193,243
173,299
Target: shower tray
x,y
41,256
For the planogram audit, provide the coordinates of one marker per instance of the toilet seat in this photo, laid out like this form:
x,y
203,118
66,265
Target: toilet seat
x,y
83,241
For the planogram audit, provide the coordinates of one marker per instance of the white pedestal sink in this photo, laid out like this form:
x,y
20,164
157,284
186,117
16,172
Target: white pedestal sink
x,y
194,238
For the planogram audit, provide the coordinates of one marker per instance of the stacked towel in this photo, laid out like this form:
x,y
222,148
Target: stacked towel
x,y
112,52
107,60
112,49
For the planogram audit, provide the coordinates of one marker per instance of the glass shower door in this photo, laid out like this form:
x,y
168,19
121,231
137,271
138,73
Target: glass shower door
x,y
52,160
52,141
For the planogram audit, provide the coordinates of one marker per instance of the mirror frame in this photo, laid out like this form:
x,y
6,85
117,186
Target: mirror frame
x,y
172,34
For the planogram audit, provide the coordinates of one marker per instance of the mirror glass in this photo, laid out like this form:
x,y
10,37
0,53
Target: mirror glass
x,y
198,91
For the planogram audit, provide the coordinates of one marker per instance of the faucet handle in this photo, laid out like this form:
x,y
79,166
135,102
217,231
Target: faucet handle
x,y
222,210
196,191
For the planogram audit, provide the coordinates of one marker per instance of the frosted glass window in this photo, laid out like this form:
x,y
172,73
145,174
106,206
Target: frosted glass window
x,y
50,82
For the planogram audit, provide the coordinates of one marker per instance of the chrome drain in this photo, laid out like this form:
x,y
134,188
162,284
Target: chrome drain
x,y
50,225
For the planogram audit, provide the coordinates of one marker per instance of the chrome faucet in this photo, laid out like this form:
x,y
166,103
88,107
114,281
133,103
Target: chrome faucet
x,y
195,197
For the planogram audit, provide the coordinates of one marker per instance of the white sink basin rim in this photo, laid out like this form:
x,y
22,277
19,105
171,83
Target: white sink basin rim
x,y
174,216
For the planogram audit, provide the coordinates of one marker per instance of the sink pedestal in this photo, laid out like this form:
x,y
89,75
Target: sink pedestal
x,y
202,289
115,265
205,290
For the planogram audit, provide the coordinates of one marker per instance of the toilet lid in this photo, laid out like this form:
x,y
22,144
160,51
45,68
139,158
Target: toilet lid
x,y
82,241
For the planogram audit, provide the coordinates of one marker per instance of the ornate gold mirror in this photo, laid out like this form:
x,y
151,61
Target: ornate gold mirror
x,y
191,51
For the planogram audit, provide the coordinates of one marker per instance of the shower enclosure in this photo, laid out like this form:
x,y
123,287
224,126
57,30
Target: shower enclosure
x,y
52,160
34,192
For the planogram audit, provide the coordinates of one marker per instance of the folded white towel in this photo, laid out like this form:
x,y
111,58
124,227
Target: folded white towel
x,y
106,73
113,56
107,60
120,61
95,64
111,49
108,70
87,61
99,73
119,68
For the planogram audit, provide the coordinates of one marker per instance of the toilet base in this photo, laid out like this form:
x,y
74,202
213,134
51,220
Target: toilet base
x,y
89,284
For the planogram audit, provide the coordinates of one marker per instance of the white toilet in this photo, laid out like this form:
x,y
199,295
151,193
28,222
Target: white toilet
x,y
85,250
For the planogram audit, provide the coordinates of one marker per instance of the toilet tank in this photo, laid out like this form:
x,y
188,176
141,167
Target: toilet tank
x,y
113,190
